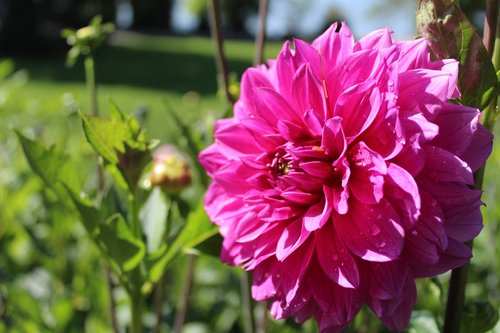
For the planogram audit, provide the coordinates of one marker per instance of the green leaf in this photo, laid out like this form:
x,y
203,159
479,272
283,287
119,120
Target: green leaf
x,y
52,166
121,142
121,244
153,215
479,317
198,228
451,35
90,216
106,136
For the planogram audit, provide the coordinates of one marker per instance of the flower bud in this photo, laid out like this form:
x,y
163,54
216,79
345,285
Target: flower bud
x,y
170,170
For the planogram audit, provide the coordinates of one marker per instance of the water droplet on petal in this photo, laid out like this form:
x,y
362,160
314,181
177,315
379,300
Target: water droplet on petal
x,y
382,245
414,232
375,230
335,257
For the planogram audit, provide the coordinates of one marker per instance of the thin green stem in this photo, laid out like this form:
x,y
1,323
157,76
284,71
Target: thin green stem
x,y
216,31
247,306
490,24
136,307
91,83
134,220
260,37
182,305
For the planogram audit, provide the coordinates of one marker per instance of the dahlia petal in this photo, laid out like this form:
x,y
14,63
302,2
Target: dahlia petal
x,y
316,216
450,66
411,158
306,54
262,133
385,135
299,197
212,159
232,177
479,149
457,125
290,131
356,70
455,199
402,188
358,106
385,282
334,47
333,139
441,165
251,80
413,54
431,223
396,312
318,169
341,193
465,228
417,125
307,91
263,285
378,39
313,121
368,168
294,235
271,107
423,91
455,255
293,269
336,262
372,232
337,305
285,70
234,140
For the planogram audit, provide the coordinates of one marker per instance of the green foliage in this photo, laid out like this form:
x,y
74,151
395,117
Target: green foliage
x,y
452,35
479,317
197,229
121,142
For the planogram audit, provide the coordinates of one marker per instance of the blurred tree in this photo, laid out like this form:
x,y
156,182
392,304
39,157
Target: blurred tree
x,y
34,26
151,14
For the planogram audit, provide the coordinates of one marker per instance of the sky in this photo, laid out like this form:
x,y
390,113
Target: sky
x,y
311,15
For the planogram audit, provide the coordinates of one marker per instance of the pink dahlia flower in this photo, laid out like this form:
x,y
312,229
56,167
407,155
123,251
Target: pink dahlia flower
x,y
344,175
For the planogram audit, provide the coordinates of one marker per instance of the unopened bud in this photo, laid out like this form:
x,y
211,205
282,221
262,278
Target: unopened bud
x,y
170,170
86,33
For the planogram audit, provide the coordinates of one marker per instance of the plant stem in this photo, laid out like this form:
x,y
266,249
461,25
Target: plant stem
x,y
260,37
180,316
216,32
247,308
91,83
458,280
135,223
112,302
490,24
136,308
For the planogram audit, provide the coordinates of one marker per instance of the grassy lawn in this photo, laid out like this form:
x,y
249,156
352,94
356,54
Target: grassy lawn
x,y
139,72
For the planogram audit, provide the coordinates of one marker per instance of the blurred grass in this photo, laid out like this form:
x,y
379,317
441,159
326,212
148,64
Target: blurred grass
x,y
140,72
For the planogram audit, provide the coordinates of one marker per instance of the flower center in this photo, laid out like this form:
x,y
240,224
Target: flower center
x,y
281,163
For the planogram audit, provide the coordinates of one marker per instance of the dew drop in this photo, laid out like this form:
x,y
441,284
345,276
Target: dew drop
x,y
382,245
375,230
414,232
335,257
